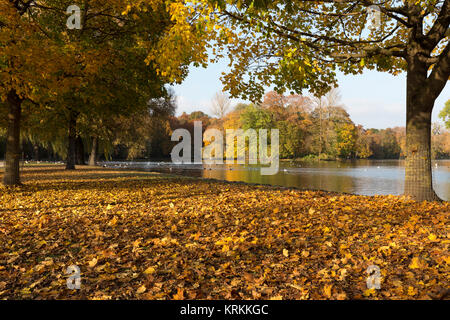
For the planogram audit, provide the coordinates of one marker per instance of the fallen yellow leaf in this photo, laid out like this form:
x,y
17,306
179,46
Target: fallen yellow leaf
x,y
93,262
149,270
415,263
141,289
327,290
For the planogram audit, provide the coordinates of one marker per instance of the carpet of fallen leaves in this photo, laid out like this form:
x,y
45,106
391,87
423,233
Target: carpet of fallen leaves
x,y
138,235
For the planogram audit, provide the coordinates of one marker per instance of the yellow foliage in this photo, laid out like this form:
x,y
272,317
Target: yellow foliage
x,y
227,238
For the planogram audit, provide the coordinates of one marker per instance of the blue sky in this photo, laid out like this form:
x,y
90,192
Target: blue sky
x,y
373,99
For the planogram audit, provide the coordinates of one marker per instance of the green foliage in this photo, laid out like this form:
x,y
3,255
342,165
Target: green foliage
x,y
297,45
255,117
291,139
197,115
445,114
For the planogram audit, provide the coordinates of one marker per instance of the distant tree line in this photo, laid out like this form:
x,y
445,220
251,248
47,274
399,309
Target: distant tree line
x,y
313,128
310,128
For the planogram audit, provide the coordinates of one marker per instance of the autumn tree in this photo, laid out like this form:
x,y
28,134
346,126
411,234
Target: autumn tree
x,y
291,115
220,105
384,143
324,106
346,140
362,143
119,85
28,59
71,72
42,69
297,45
233,119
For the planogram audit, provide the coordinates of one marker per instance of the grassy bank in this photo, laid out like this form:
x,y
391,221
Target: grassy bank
x,y
138,235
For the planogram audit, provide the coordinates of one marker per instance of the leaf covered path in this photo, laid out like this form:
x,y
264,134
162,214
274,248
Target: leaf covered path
x,y
137,235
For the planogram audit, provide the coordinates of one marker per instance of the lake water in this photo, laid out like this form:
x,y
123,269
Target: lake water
x,y
364,177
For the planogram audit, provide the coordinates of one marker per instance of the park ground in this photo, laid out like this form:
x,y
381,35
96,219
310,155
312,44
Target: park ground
x,y
138,235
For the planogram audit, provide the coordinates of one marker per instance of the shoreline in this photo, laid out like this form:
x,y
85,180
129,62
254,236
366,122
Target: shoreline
x,y
272,186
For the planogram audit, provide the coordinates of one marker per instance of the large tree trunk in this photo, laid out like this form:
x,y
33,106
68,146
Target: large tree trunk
x,y
93,155
418,173
71,146
79,151
12,158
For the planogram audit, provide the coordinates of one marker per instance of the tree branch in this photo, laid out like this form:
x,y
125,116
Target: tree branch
x,y
440,28
440,74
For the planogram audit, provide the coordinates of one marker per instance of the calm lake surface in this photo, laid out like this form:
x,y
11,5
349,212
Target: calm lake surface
x,y
364,177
